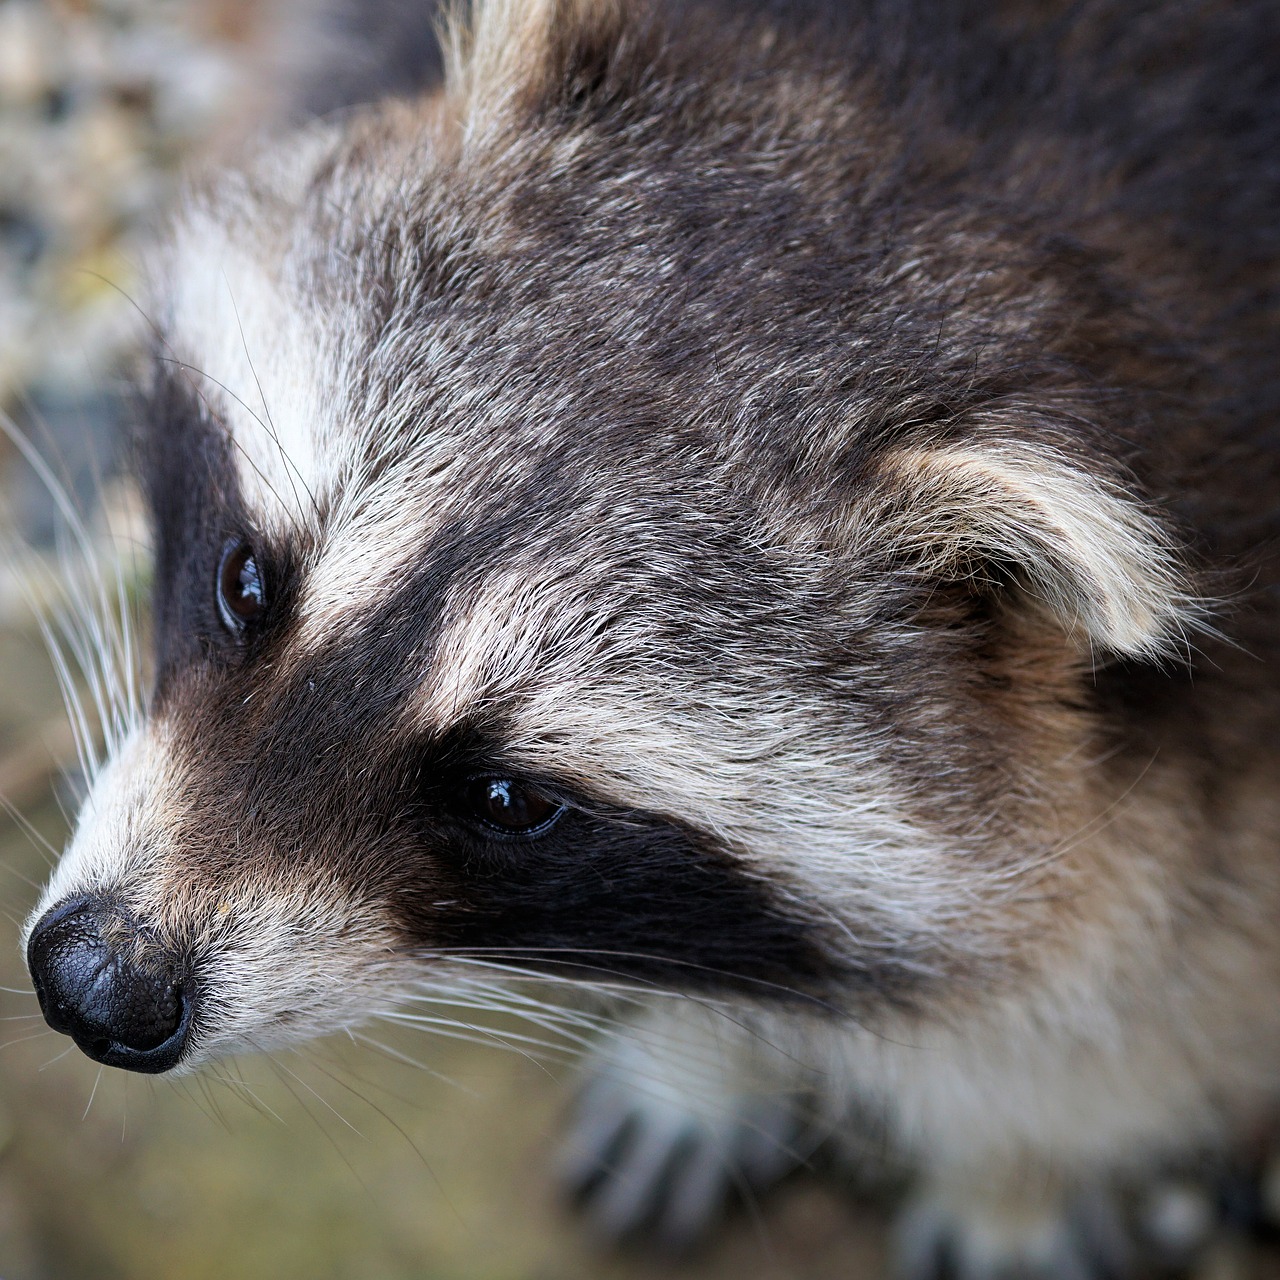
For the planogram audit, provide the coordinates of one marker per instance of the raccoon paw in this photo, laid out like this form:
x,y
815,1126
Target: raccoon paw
x,y
970,1233
654,1158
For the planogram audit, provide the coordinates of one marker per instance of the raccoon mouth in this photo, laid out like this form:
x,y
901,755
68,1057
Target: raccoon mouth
x,y
125,1003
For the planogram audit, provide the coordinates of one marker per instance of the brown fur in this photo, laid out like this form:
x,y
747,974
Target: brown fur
x,y
834,455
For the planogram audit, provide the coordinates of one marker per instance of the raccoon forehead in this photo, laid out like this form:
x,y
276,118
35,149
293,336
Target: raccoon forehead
x,y
644,691
256,360
385,513
256,303
752,760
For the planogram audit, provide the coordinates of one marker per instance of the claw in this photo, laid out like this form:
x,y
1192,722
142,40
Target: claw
x,y
647,1162
944,1235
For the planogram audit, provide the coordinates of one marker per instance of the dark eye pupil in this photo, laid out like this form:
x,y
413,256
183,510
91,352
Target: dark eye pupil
x,y
241,593
511,805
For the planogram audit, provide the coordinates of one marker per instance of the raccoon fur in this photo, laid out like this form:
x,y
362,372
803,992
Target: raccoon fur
x,y
774,504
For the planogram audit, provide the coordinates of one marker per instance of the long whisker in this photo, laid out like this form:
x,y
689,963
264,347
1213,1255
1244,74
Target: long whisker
x,y
231,1079
470,1033
413,1146
91,638
33,835
289,464
640,995
86,753
93,1093
569,958
185,368
173,359
82,636
282,1071
489,1000
58,1057
323,1101
396,1055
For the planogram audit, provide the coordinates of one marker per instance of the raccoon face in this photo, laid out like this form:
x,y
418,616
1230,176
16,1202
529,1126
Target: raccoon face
x,y
578,546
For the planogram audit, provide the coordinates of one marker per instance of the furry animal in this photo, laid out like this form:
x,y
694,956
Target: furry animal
x,y
774,503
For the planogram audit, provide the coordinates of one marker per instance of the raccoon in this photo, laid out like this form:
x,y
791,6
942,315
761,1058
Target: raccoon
x,y
765,513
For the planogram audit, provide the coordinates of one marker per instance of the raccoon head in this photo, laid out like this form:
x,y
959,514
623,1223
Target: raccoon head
x,y
607,520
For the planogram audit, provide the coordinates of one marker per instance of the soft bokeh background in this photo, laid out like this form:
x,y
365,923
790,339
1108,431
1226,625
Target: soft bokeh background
x,y
338,1161
426,1158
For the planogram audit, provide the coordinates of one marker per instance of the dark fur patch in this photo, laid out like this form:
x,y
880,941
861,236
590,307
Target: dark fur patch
x,y
191,482
611,894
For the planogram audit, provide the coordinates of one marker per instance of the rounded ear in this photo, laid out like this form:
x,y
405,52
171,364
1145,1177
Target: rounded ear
x,y
1104,565
500,50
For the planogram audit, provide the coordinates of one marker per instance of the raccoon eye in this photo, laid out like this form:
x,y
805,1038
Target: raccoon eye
x,y
242,596
511,806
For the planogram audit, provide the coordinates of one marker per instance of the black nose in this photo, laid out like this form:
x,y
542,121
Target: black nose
x,y
124,1002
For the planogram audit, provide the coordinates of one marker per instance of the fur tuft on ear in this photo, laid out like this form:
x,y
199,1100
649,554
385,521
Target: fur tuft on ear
x,y
1107,568
501,50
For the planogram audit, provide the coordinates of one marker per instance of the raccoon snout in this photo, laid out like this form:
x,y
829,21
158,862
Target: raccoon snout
x,y
124,1004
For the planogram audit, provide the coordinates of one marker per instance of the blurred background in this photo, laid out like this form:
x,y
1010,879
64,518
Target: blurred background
x,y
340,1160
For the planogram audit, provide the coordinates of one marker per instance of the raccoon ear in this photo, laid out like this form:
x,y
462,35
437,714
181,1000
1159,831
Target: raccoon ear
x,y
1105,567
500,50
